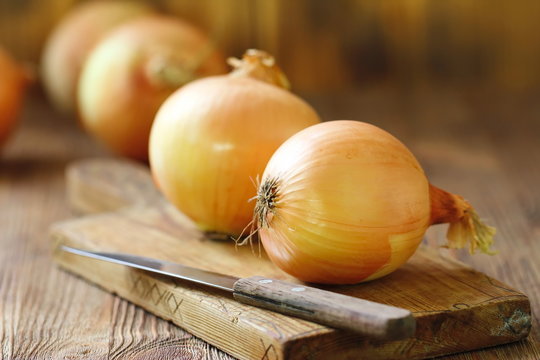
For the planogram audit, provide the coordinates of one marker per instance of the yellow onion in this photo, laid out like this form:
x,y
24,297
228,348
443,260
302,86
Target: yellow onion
x,y
13,81
344,201
72,40
212,139
133,70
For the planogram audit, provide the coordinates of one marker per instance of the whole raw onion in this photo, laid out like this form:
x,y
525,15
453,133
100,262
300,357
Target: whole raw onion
x,y
13,80
212,139
344,201
133,70
71,41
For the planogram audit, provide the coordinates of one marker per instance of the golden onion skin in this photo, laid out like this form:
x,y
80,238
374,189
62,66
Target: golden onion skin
x,y
212,139
72,40
133,70
350,203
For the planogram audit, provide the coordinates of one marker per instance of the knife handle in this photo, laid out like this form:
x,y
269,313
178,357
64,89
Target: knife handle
x,y
326,308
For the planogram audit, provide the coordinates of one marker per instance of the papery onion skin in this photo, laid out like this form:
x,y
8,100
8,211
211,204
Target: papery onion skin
x,y
133,70
343,202
72,40
212,139
13,82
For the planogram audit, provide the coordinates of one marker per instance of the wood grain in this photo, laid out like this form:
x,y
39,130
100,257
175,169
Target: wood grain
x,y
480,144
46,313
456,308
105,194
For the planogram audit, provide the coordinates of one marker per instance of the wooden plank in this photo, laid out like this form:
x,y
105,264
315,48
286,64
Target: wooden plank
x,y
456,308
46,313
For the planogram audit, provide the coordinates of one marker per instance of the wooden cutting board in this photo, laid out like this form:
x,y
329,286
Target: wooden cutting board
x,y
456,308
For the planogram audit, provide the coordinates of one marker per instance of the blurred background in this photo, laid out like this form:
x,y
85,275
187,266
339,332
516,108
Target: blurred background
x,y
458,81
326,46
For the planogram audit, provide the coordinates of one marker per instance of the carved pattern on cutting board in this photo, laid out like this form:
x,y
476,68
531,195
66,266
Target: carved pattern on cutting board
x,y
269,351
145,289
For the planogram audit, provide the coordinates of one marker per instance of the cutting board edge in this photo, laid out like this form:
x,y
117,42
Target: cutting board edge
x,y
302,345
294,347
272,343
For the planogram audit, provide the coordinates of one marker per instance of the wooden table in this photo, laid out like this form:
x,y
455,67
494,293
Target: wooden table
x,y
480,144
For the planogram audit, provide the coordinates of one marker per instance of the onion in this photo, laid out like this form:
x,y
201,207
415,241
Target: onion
x,y
13,81
343,202
213,138
133,70
72,40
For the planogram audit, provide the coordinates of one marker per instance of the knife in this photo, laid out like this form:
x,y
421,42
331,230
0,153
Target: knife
x,y
316,305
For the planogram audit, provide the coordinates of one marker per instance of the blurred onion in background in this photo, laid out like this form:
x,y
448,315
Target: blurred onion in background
x,y
332,45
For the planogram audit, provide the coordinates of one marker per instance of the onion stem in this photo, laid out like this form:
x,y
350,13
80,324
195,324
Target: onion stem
x,y
465,226
259,65
170,71
162,73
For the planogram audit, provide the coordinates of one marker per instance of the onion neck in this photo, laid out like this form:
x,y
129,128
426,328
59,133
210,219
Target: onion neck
x,y
169,68
164,72
465,226
260,65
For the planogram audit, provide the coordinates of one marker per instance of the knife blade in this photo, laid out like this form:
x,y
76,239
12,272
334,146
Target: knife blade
x,y
324,307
